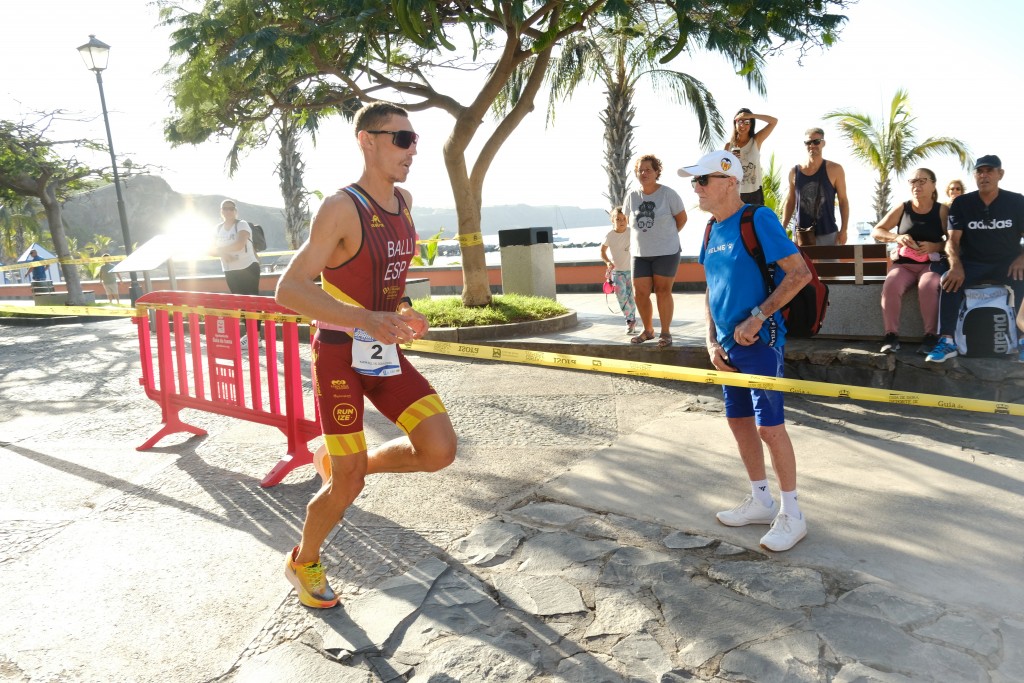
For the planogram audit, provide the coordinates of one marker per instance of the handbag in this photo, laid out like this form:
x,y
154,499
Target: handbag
x,y
805,237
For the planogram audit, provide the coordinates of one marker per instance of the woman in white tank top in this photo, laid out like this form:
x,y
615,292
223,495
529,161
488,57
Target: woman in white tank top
x,y
745,143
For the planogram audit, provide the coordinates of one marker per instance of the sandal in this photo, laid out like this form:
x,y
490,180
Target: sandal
x,y
664,340
642,337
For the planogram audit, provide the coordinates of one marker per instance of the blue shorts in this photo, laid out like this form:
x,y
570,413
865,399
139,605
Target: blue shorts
x,y
765,406
649,266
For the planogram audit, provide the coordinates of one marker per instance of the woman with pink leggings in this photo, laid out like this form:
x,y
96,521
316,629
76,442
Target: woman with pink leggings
x,y
918,257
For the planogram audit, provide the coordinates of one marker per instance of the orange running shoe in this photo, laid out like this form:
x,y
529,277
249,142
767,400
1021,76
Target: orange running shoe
x,y
310,582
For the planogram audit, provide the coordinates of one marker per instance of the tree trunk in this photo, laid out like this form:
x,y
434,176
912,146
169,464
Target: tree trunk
x,y
882,194
618,139
60,244
476,287
467,189
290,170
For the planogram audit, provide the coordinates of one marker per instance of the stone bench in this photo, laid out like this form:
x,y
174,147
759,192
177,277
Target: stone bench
x,y
417,288
855,312
61,298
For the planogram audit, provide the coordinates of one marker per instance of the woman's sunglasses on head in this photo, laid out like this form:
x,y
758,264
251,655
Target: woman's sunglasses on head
x,y
401,138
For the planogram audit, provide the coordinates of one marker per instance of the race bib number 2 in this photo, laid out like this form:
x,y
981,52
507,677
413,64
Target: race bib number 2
x,y
374,358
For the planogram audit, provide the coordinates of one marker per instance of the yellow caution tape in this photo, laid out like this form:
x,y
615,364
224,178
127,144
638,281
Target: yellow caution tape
x,y
127,312
735,379
223,313
471,240
25,265
562,360
69,310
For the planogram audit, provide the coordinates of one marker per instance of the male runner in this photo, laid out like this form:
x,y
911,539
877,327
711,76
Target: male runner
x,y
361,243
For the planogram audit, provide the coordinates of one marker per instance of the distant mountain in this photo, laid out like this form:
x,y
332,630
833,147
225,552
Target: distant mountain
x,y
152,206
495,218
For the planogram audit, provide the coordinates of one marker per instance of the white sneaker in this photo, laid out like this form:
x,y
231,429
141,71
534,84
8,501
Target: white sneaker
x,y
785,533
750,511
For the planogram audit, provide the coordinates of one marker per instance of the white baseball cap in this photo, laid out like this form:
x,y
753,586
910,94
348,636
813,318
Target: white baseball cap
x,y
715,162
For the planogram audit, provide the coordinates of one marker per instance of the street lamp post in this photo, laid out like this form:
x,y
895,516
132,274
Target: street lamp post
x,y
95,54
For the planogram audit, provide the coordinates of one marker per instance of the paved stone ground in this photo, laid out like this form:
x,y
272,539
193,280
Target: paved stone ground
x,y
551,592
166,565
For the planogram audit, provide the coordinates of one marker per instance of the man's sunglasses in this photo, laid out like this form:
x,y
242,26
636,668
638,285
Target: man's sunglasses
x,y
703,180
813,142
401,138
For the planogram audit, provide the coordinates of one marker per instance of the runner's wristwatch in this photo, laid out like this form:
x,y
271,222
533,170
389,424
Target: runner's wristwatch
x,y
756,312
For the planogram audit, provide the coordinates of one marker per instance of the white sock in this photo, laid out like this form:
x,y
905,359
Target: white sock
x,y
761,493
789,505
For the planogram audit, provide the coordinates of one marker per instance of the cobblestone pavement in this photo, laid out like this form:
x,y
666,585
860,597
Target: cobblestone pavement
x,y
166,565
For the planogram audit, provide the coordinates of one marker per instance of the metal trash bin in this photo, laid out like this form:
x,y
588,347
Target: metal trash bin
x,y
42,287
527,261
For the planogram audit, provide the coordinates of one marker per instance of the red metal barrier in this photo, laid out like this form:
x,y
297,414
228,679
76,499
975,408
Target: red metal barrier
x,y
207,370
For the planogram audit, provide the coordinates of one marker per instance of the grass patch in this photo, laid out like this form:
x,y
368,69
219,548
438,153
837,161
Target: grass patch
x,y
448,311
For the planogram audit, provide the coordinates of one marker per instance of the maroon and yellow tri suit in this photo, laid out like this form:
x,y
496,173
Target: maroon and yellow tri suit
x,y
373,279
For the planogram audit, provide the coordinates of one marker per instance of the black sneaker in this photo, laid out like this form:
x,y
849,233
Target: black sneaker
x,y
891,343
927,344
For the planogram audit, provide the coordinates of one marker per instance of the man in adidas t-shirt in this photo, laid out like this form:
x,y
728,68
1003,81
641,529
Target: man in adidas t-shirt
x,y
984,245
740,314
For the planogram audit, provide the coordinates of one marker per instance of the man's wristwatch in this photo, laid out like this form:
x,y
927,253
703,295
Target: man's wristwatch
x,y
756,312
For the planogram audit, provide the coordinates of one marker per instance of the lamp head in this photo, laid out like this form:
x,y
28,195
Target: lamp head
x,y
95,54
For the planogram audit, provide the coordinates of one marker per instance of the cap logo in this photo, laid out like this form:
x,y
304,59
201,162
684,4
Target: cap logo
x,y
725,164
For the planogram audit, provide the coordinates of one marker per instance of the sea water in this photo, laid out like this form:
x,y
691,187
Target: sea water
x,y
584,244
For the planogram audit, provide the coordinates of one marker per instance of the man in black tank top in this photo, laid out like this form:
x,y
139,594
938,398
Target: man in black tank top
x,y
815,187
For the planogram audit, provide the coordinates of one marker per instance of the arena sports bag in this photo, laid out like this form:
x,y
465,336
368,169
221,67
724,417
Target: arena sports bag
x,y
986,326
805,312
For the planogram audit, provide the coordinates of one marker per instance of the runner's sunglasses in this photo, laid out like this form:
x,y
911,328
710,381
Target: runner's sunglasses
x,y
401,138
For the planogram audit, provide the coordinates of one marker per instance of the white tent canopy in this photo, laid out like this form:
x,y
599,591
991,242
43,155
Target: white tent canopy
x,y
52,270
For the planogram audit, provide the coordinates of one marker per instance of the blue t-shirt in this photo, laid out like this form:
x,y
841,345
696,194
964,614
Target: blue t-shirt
x,y
735,283
38,272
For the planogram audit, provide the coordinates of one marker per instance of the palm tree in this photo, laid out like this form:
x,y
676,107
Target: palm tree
x,y
619,56
20,225
289,171
890,147
771,183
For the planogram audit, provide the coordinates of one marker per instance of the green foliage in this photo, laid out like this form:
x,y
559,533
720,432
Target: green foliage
x,y
29,161
235,65
428,251
20,226
889,146
771,185
30,166
100,245
621,48
449,311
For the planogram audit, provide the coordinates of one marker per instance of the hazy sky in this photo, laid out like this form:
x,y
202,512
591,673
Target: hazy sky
x,y
960,61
